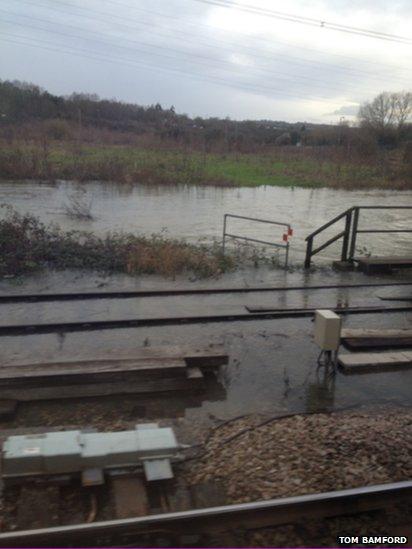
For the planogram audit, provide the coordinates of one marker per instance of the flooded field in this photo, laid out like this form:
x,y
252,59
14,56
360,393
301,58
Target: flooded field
x,y
196,213
272,364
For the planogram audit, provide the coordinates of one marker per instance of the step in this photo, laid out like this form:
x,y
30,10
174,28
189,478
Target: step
x,y
81,390
203,356
354,363
354,339
94,370
370,265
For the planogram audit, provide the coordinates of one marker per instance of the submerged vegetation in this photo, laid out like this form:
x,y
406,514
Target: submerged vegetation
x,y
28,245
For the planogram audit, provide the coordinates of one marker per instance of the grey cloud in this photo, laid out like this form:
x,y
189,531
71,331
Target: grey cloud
x,y
350,110
165,52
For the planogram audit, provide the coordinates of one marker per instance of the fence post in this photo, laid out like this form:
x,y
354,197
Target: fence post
x,y
309,247
354,233
224,233
345,243
287,255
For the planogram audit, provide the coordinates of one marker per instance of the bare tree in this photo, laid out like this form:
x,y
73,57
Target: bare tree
x,y
403,108
388,111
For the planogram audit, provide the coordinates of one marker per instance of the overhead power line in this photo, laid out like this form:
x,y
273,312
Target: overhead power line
x,y
248,8
260,54
266,41
115,16
241,86
147,49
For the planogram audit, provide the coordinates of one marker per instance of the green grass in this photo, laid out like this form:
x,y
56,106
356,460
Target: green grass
x,y
130,164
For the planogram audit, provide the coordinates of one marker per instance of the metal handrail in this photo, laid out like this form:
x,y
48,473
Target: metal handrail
x,y
349,234
329,223
249,239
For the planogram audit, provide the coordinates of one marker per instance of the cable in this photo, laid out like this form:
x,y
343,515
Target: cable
x,y
257,426
116,16
238,85
196,25
326,359
214,80
307,21
146,45
264,67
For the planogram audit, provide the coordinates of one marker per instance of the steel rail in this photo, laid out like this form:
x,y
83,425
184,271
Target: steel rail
x,y
384,231
247,516
128,294
249,239
267,314
269,221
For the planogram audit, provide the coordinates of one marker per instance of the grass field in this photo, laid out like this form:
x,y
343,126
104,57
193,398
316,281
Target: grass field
x,y
305,167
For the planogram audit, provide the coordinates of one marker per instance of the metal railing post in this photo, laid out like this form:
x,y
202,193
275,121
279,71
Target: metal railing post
x,y
287,255
224,233
350,233
345,243
354,233
308,257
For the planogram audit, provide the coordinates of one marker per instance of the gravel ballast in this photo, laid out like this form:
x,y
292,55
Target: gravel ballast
x,y
257,459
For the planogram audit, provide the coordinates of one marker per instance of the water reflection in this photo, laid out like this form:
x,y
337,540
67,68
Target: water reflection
x,y
320,394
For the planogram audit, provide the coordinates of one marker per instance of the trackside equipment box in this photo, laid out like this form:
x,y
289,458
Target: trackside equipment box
x,y
69,452
327,330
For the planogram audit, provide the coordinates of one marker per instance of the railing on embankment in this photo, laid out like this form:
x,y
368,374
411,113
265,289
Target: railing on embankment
x,y
349,233
285,237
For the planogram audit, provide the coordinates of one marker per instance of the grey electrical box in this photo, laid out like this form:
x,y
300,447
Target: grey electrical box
x,y
69,452
157,469
327,330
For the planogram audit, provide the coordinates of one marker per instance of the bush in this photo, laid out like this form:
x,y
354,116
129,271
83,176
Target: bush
x,y
26,245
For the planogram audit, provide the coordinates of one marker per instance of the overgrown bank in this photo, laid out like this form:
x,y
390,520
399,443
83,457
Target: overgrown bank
x,y
28,245
283,166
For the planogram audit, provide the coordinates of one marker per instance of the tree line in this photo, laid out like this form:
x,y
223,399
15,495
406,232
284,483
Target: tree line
x,y
384,121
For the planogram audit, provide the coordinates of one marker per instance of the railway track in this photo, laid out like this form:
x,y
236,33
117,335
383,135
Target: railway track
x,y
37,298
216,520
260,314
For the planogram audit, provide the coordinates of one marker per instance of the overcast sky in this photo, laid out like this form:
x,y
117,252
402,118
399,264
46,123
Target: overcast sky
x,y
208,60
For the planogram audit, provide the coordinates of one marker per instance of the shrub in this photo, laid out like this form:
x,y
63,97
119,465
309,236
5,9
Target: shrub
x,y
26,244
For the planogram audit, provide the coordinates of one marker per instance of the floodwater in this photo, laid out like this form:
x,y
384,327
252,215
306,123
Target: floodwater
x,y
272,366
272,363
196,213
